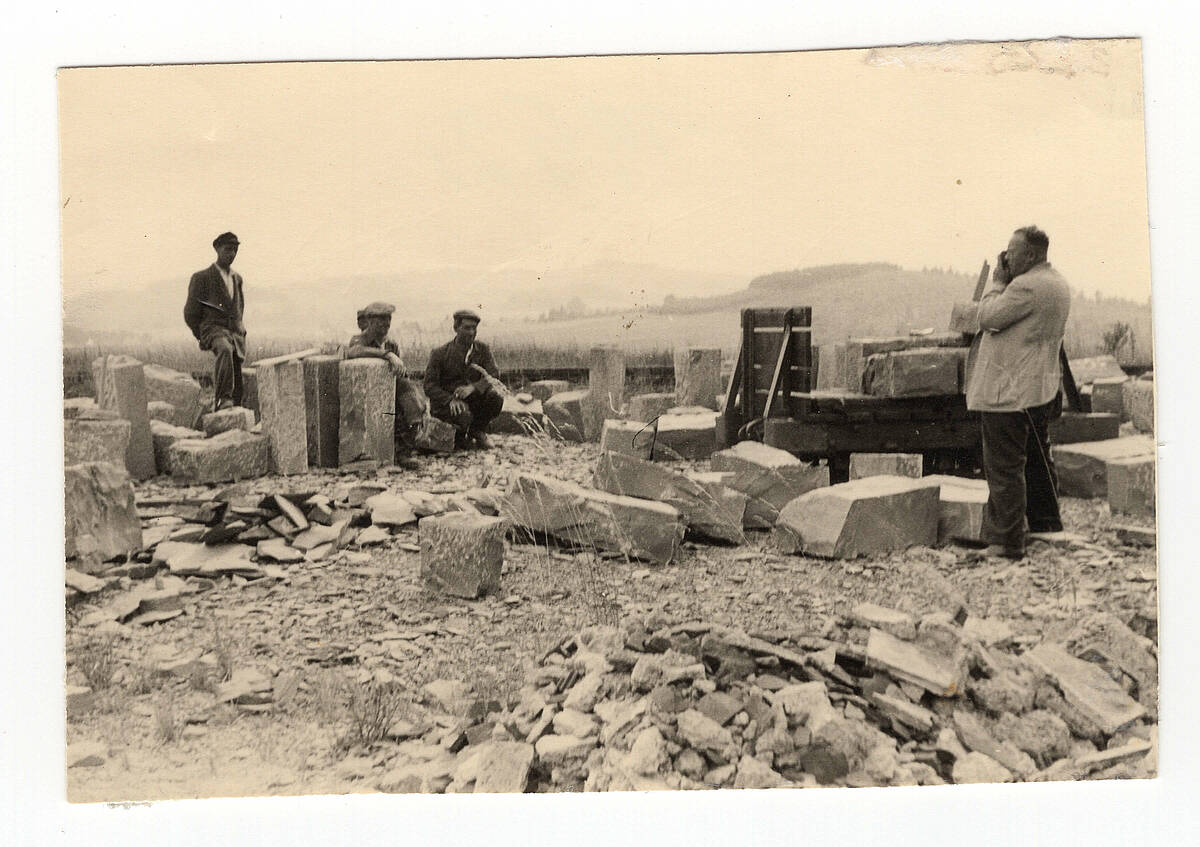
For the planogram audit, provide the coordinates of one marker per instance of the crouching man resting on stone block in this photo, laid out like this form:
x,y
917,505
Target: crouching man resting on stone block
x,y
373,343
463,383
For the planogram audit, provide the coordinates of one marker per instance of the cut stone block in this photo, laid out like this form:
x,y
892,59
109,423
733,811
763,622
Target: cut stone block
x,y
566,408
503,768
434,435
100,514
1108,395
689,436
95,441
703,501
770,477
461,553
647,407
909,662
164,435
76,407
960,509
281,405
519,418
1105,636
640,529
891,621
1131,485
544,389
1086,687
122,388
1090,369
178,389
1083,468
389,509
1138,402
964,318
831,368
214,423
697,376
858,350
878,514
1076,427
606,389
631,438
886,464
931,372
322,409
250,391
227,457
366,427
160,410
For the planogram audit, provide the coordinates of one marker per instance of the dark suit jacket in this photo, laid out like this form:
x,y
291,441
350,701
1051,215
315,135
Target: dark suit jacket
x,y
211,310
448,369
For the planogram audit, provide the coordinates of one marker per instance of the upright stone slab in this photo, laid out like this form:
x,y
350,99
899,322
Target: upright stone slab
x,y
461,553
366,428
123,389
1083,468
250,391
1138,402
770,477
703,500
281,402
1131,485
690,436
829,370
227,457
647,407
86,440
1090,369
237,417
960,507
606,389
1074,427
178,389
928,372
886,464
1108,395
566,407
640,529
697,376
964,318
632,438
544,389
879,514
164,435
858,350
100,514
322,409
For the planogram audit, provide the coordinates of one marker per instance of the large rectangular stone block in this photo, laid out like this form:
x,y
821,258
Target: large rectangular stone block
x,y
858,350
178,389
830,369
1083,468
161,410
101,518
519,417
250,392
1074,427
770,477
122,388
688,436
1108,395
1138,403
227,457
640,529
281,404
606,389
87,440
1090,369
697,376
236,417
703,500
929,372
647,407
886,464
631,438
366,428
1131,485
461,553
85,407
878,514
960,507
566,407
322,409
544,389
164,435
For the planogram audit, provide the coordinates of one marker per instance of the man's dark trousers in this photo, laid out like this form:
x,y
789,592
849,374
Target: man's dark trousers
x,y
1022,483
482,408
227,371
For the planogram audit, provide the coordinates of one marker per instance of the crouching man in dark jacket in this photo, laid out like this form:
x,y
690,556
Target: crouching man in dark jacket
x,y
463,383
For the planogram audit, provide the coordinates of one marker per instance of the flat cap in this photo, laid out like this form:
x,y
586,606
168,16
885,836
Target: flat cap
x,y
467,315
377,308
225,238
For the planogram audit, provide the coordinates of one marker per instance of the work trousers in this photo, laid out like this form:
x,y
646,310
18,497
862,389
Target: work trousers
x,y
227,371
1022,483
482,408
410,411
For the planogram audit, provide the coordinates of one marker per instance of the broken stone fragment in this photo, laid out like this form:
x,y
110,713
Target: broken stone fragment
x,y
869,615
278,550
178,389
576,723
86,754
1086,687
101,517
519,418
960,507
566,409
1104,638
434,435
560,749
655,669
214,423
1083,468
389,509
977,768
1131,485
1137,399
941,675
703,733
87,440
752,773
544,389
647,407
770,477
878,514
164,435
462,553
227,457
503,767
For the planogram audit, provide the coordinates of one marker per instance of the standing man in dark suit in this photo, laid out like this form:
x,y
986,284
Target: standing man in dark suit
x,y
463,383
1013,377
214,315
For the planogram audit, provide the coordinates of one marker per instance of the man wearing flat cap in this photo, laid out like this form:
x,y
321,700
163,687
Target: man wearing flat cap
x,y
375,319
213,313
463,383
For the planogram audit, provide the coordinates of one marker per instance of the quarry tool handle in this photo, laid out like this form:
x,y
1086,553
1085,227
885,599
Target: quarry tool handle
x,y
1074,402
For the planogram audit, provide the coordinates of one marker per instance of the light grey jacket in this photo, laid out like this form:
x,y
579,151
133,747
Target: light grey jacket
x,y
1014,362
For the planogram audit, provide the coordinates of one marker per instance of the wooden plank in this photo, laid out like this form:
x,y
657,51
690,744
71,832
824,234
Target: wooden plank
x,y
780,360
749,407
1074,402
869,436
982,283
278,360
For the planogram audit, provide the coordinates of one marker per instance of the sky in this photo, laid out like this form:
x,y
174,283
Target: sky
x,y
737,163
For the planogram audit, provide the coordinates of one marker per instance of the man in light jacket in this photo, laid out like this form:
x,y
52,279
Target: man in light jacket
x,y
1013,382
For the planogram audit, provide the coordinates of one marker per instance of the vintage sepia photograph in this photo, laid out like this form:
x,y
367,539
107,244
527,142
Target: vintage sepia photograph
x,y
628,423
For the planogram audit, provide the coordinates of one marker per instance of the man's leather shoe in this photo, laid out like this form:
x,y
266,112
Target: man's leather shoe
x,y
482,442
